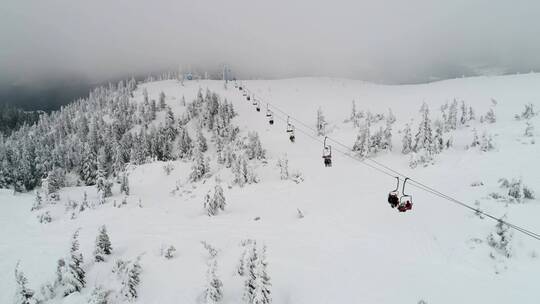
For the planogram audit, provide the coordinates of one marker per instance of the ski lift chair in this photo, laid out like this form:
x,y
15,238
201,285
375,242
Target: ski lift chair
x,y
405,201
291,135
327,154
393,196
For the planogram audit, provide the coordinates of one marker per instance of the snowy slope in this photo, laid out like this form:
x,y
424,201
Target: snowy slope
x,y
350,247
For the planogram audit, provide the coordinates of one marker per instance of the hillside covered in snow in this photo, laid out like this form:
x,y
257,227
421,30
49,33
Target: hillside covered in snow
x,y
204,200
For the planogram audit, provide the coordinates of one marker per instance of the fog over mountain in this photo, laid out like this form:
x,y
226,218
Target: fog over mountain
x,y
49,42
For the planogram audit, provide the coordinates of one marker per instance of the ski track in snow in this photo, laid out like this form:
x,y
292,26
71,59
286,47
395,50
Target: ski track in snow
x,y
350,247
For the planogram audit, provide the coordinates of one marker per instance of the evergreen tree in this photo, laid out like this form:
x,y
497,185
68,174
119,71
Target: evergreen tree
x,y
99,295
321,123
162,103
88,172
103,245
23,294
201,141
74,279
185,146
213,291
529,129
363,141
38,202
283,164
387,135
132,281
424,136
476,140
438,141
200,167
490,116
407,140
464,114
471,114
124,184
452,116
254,147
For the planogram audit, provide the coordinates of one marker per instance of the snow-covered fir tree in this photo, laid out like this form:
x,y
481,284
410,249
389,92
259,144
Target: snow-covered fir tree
x,y
452,115
487,143
464,114
500,240
201,141
362,144
200,167
103,245
529,129
321,123
38,202
124,184
132,280
216,202
213,291
74,278
242,171
438,140
162,103
283,165
476,140
257,284
406,141
254,147
88,172
185,145
424,136
472,116
100,295
490,116
23,294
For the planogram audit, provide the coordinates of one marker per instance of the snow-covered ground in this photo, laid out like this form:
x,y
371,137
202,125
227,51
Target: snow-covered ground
x,y
350,247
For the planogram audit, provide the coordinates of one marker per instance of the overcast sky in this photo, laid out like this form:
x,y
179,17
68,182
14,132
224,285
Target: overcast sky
x,y
379,40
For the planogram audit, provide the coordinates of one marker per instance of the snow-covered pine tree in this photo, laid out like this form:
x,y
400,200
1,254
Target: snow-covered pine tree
x,y
200,167
321,123
529,129
363,140
103,245
74,279
124,184
38,202
438,141
452,115
201,141
490,116
354,115
254,147
185,145
487,144
391,118
406,141
99,295
500,240
476,140
471,113
213,292
250,283
162,103
262,290
183,101
132,281
23,294
88,171
283,164
464,114
424,136
219,197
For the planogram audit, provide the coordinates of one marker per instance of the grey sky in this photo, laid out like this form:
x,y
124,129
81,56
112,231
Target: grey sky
x,y
386,41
